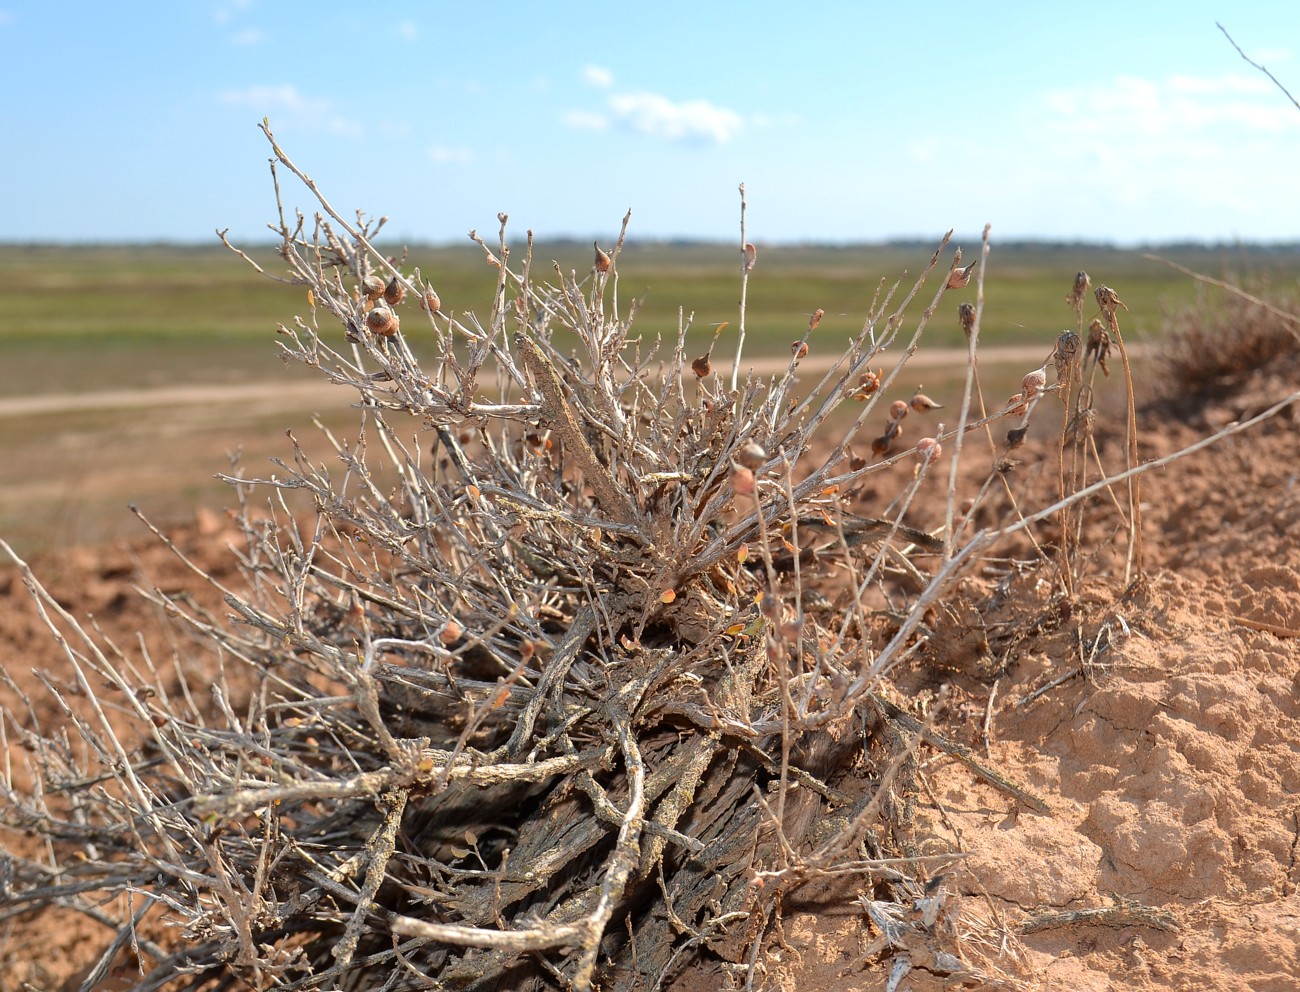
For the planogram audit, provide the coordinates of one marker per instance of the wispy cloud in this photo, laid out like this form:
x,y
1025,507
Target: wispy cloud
x,y
694,122
1166,144
286,100
451,156
598,76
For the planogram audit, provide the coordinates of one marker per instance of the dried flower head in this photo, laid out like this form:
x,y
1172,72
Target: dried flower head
x,y
1082,283
1108,301
603,261
751,256
1098,345
966,317
869,381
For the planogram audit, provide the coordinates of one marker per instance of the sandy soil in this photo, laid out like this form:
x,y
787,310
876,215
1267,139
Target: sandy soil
x,y
1162,727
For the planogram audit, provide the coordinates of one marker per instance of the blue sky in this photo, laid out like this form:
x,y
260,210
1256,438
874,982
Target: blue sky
x,y
847,121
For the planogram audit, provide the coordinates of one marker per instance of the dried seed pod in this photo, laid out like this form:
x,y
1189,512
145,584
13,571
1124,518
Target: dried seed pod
x,y
372,288
869,381
816,318
892,429
1016,436
451,632
603,261
1017,406
1032,384
382,322
921,403
702,366
751,256
928,448
959,278
751,455
742,481
394,292
966,317
856,463
880,445
429,302
897,410
799,349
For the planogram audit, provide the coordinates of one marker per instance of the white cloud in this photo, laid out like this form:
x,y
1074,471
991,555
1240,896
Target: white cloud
x,y
451,156
691,121
286,100
585,120
598,76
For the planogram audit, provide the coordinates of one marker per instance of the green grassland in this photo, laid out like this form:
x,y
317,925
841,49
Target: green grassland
x,y
88,318
94,318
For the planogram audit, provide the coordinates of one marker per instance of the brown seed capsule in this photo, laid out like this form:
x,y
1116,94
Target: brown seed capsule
x,y
892,429
921,403
1016,436
372,288
1017,406
702,366
869,381
1033,383
394,292
751,256
603,261
429,302
959,278
880,446
742,481
897,410
451,632
928,448
816,318
799,349
382,322
751,455
857,463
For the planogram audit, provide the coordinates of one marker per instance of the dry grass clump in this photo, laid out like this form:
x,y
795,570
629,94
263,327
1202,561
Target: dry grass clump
x,y
1211,347
570,667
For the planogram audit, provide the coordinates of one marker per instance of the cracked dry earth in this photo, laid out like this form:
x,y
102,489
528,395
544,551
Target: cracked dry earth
x,y
1161,728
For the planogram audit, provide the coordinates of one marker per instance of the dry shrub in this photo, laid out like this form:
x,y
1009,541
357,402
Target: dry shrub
x,y
569,668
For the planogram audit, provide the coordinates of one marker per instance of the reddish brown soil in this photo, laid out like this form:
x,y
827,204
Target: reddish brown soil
x,y
1170,764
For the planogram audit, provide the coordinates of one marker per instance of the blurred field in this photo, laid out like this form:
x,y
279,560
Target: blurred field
x,y
90,320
